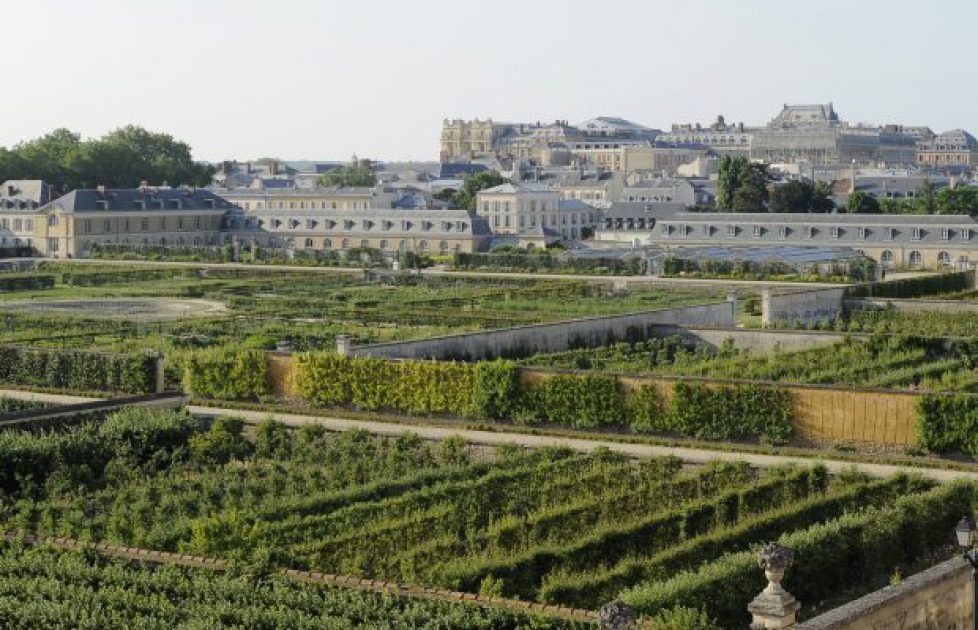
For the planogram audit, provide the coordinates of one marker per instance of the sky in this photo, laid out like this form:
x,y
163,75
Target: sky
x,y
322,79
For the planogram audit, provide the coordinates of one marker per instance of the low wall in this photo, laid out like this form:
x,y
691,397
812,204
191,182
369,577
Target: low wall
x,y
556,337
939,598
915,306
803,307
752,339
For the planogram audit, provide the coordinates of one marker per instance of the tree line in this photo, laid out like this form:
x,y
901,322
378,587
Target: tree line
x,y
123,158
744,186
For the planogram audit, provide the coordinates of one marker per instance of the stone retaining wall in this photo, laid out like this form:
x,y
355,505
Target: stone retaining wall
x,y
555,337
939,598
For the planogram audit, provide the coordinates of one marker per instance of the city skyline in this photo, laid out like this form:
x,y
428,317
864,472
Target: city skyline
x,y
245,80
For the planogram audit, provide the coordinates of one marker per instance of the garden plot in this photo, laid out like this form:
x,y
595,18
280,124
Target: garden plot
x,y
137,309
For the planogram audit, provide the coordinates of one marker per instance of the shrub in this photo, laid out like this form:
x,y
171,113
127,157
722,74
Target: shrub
x,y
948,422
81,370
646,411
496,389
227,374
731,412
221,443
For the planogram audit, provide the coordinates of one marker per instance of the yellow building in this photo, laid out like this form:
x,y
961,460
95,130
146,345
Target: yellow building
x,y
68,226
361,198
956,148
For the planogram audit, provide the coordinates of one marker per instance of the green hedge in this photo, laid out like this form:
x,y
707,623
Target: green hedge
x,y
415,387
729,412
82,370
100,278
916,287
25,282
856,549
948,423
227,374
546,261
492,389
593,588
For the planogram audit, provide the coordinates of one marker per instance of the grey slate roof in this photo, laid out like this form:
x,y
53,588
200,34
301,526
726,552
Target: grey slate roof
x,y
644,209
133,199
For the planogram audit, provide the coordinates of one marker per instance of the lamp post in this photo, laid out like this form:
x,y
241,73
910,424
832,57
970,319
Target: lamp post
x,y
965,533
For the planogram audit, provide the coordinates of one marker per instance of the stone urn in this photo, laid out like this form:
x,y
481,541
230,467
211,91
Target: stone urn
x,y
774,607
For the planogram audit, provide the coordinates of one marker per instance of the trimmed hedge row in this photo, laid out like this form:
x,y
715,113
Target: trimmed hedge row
x,y
25,282
492,389
83,370
521,574
100,278
218,373
915,287
857,548
948,423
592,589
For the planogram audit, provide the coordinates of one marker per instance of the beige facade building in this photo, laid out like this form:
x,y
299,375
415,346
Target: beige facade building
x,y
19,201
956,148
514,209
388,230
68,226
311,199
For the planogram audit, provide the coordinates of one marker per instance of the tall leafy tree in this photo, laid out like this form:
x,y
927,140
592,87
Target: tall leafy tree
x,y
346,176
801,196
120,159
465,198
861,202
960,200
742,185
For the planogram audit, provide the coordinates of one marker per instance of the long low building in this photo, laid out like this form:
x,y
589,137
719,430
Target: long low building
x,y
70,225
385,229
904,241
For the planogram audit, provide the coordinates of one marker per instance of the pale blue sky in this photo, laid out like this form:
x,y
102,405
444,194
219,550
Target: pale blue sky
x,y
324,79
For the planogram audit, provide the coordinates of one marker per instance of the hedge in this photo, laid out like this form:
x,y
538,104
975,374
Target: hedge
x,y
591,589
544,260
83,370
915,287
948,422
492,389
227,374
415,387
25,282
856,549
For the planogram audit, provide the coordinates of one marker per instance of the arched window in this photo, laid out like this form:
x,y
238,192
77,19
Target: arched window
x,y
916,259
180,241
887,256
327,244
345,244
443,247
423,246
364,244
309,243
383,246
944,258
402,246
197,241
162,241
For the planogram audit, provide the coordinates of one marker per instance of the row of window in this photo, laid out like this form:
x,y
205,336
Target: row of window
x,y
346,224
506,220
313,205
384,245
17,225
496,206
182,223
834,231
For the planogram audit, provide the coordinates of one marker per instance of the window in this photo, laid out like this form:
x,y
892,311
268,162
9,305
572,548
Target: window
x,y
916,259
309,244
107,225
345,244
783,232
53,221
945,234
944,258
384,245
836,231
812,232
87,226
52,245
886,257
327,243
29,225
915,234
667,230
162,223
364,244
731,230
890,233
144,225
758,230
861,232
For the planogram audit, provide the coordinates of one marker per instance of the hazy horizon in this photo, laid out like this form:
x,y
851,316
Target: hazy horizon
x,y
305,80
